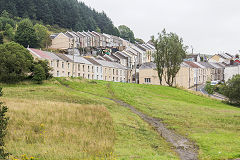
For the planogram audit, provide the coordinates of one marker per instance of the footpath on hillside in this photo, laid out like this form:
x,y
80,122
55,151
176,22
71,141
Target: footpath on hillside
x,y
186,149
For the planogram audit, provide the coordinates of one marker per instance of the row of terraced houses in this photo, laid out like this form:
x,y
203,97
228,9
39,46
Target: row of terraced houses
x,y
130,62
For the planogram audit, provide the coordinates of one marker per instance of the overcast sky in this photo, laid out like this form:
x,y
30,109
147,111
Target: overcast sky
x,y
210,26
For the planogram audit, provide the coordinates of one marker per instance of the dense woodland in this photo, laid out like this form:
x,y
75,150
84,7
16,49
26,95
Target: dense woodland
x,y
64,13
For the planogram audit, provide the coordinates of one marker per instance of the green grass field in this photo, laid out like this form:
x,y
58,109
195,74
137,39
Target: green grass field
x,y
72,119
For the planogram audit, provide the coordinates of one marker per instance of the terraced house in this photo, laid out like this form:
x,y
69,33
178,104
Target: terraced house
x,y
86,67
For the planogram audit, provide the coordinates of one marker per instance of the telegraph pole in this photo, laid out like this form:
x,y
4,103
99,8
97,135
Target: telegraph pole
x,y
196,79
73,58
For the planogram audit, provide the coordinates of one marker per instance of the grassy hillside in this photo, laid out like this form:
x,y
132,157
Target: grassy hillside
x,y
72,119
52,121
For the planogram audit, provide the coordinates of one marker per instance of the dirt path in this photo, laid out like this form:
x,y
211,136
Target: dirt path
x,y
186,149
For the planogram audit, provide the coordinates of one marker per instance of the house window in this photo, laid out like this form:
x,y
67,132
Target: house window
x,y
57,63
97,77
88,69
62,64
147,80
68,74
57,73
105,70
51,63
83,75
92,70
83,69
117,79
68,65
121,79
79,67
88,76
97,69
105,78
92,77
113,71
116,72
113,78
78,74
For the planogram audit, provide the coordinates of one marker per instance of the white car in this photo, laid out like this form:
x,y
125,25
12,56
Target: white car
x,y
213,83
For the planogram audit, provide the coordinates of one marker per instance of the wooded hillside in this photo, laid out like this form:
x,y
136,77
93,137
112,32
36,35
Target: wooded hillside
x,y
64,13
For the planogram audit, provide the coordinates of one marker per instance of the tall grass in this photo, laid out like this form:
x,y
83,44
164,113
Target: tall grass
x,y
58,130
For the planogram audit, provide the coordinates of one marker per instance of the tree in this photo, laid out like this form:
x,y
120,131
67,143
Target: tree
x,y
45,66
43,35
232,89
38,74
15,62
170,53
237,56
9,32
140,41
3,127
1,38
126,33
26,35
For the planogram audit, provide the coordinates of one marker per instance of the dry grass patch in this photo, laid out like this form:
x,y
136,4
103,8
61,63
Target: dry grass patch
x,y
58,130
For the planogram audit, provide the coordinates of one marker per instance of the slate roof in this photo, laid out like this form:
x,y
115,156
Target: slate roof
x,y
93,61
148,65
63,56
78,59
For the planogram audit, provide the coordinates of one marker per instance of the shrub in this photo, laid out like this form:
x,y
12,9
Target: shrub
x,y
38,74
232,89
209,88
3,127
45,66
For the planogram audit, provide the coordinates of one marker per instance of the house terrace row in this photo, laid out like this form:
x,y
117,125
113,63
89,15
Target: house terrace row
x,y
86,67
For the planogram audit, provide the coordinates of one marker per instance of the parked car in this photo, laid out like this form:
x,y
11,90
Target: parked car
x,y
214,83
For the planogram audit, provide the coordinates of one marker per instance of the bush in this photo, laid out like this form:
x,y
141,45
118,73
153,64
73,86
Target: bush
x,y
38,74
45,66
232,89
3,127
209,88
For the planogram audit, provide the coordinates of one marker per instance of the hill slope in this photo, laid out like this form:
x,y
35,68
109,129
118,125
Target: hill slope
x,y
64,13
212,125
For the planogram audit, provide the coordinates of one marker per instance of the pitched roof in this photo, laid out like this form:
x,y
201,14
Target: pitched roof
x,y
39,53
192,64
148,65
93,61
78,59
63,56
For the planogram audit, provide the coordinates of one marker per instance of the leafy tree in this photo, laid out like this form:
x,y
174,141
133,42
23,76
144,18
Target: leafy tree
x,y
232,89
237,56
169,55
1,38
43,35
26,34
1,26
140,41
38,74
15,62
3,127
9,32
45,66
5,14
98,30
126,33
